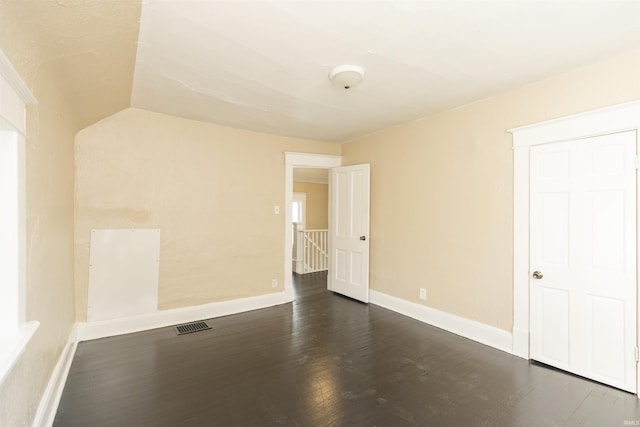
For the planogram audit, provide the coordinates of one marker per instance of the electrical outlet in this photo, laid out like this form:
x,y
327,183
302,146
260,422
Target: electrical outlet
x,y
423,294
276,209
274,283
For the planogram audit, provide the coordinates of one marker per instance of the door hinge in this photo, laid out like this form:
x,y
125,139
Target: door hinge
x,y
637,354
637,163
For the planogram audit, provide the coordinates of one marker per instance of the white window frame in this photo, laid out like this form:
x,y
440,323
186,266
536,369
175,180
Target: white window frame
x,y
15,331
302,198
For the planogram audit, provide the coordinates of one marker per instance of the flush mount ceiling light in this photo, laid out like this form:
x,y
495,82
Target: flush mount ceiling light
x,y
346,76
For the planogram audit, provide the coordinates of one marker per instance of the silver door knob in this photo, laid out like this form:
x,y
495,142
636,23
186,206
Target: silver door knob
x,y
537,275
363,238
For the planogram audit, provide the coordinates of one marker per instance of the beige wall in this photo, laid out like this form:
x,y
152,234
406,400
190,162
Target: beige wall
x,y
210,189
89,47
317,204
442,190
441,187
49,173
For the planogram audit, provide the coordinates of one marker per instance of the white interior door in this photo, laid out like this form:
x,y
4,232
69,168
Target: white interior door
x,y
349,232
583,257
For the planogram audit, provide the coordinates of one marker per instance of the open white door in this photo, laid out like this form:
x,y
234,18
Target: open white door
x,y
349,232
583,257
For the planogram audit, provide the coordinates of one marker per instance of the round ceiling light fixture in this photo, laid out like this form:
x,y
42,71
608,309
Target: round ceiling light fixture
x,y
346,76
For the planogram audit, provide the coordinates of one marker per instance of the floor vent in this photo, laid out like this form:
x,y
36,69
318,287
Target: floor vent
x,y
188,328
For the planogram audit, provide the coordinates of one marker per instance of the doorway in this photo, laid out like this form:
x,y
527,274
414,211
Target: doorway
x,y
296,161
348,223
310,220
583,253
607,121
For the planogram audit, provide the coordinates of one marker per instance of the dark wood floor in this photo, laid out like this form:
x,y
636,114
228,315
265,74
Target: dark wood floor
x,y
324,360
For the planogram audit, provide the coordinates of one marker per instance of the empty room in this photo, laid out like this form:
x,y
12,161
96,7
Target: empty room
x,y
319,213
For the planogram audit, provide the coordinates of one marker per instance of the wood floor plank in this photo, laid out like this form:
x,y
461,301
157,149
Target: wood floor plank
x,y
323,360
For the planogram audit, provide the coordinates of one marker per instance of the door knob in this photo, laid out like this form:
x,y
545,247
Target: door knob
x,y
363,238
537,275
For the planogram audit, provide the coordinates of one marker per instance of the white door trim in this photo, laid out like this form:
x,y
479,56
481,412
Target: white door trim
x,y
298,160
604,121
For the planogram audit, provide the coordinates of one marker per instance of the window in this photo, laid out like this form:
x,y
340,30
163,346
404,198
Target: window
x,y
296,212
298,208
11,230
15,331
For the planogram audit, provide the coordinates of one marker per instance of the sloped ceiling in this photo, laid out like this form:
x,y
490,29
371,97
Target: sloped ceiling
x,y
263,65
88,45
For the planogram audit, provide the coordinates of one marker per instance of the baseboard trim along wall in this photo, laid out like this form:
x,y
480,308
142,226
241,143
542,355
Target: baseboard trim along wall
x,y
107,328
480,332
84,331
50,400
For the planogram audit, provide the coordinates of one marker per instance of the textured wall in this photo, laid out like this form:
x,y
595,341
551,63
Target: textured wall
x,y
89,47
78,75
210,189
49,174
442,190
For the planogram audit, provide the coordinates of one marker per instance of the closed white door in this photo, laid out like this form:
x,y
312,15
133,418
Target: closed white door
x,y
583,257
349,232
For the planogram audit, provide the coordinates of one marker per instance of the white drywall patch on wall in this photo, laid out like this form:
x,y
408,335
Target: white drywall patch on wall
x,y
123,273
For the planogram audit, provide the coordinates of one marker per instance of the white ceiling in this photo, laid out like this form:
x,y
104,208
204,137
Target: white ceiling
x,y
314,175
263,65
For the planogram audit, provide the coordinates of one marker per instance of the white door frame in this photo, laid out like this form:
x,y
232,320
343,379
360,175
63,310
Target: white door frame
x,y
298,160
623,117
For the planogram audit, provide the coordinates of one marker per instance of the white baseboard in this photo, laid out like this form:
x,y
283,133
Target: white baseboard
x,y
485,334
50,400
159,319
480,332
83,331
